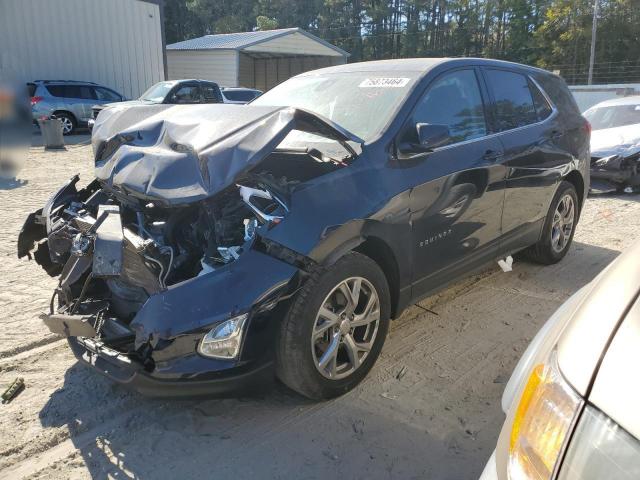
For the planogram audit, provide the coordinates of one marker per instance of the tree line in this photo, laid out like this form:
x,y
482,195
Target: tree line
x,y
553,34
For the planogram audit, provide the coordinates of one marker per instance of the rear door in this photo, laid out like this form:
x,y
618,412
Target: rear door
x,y
534,155
456,204
85,98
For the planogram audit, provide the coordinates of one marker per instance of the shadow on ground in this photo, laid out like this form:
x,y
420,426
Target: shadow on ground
x,y
282,435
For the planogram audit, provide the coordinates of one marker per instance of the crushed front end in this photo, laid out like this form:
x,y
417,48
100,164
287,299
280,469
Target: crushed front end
x,y
141,286
170,292
616,169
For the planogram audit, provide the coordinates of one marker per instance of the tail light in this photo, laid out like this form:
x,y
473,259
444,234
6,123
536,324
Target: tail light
x,y
35,100
587,126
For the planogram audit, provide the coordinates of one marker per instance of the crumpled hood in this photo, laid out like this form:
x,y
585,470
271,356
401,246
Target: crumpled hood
x,y
184,153
623,141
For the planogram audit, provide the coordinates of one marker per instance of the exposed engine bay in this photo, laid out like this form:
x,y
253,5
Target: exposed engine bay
x,y
142,227
114,251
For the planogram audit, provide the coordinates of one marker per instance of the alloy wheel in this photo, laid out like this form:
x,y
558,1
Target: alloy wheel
x,y
345,328
67,125
562,224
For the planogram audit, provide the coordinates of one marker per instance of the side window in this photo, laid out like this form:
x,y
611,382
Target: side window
x,y
211,94
543,109
186,94
453,100
57,90
514,103
240,95
86,92
106,95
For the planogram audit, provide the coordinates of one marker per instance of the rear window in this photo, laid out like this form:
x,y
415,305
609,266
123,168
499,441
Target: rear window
x,y
514,102
559,93
543,109
239,95
84,92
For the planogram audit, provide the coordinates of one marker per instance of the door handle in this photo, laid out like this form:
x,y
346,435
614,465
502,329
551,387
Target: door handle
x,y
492,155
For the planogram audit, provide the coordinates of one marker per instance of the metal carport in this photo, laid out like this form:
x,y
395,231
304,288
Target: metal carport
x,y
251,59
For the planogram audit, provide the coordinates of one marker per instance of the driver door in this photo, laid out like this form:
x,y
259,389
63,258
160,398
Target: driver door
x,y
456,207
185,94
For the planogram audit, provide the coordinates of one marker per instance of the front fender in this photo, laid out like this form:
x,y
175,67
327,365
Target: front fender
x,y
204,301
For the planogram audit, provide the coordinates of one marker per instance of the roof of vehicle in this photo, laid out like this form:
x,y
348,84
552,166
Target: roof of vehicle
x,y
418,65
614,102
181,80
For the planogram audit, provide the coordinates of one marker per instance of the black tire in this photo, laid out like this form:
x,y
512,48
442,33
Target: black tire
x,y
543,252
295,364
68,119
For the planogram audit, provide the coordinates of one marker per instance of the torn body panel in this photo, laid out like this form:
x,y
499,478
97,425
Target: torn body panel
x,y
183,155
615,158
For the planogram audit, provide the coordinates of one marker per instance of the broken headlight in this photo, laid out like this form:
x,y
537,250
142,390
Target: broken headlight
x,y
223,341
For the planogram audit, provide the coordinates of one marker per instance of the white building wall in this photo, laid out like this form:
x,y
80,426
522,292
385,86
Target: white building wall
x,y
116,43
220,66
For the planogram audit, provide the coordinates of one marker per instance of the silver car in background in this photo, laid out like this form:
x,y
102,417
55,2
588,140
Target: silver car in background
x,y
239,95
572,403
70,101
615,144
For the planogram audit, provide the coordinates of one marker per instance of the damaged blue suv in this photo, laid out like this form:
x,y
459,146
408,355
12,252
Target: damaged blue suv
x,y
220,246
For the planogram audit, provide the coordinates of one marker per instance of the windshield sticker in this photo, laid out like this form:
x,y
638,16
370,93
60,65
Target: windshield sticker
x,y
385,82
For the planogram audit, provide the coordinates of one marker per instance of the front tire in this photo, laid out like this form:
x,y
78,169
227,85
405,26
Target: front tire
x,y
559,227
335,328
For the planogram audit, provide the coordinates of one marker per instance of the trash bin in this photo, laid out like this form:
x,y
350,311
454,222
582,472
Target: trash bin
x,y
51,129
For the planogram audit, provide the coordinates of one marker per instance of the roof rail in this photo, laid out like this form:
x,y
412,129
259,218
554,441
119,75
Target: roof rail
x,y
67,81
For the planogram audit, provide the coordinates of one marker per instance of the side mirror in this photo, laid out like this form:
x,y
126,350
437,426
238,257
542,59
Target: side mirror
x,y
428,136
431,135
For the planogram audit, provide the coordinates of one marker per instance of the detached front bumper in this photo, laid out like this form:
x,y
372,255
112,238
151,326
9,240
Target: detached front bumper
x,y
204,382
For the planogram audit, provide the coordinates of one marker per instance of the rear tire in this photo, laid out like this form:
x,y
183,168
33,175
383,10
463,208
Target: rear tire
x,y
69,123
559,227
327,342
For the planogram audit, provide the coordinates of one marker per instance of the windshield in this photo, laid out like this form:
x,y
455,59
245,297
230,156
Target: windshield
x,y
611,117
361,102
158,92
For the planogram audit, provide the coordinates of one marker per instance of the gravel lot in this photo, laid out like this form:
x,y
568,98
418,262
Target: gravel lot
x,y
429,409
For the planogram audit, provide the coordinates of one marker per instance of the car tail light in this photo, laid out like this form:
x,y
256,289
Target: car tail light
x,y
35,100
587,126
546,412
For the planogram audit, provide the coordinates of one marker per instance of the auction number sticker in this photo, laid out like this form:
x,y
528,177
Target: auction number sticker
x,y
384,82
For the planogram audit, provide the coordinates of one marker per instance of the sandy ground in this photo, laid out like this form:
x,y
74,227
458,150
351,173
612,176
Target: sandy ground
x,y
429,409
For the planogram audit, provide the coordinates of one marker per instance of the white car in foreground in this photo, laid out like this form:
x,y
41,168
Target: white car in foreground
x,y
615,143
572,404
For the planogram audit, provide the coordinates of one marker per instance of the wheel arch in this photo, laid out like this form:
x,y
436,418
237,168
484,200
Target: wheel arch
x,y
380,252
574,177
66,112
